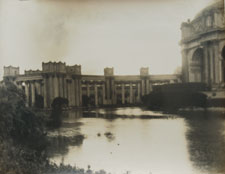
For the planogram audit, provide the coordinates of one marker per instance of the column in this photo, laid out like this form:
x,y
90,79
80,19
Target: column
x,y
96,94
139,92
88,90
103,93
107,90
73,92
27,93
32,93
150,86
80,92
76,90
42,87
61,86
131,93
214,64
217,66
45,93
70,92
209,67
38,87
65,87
143,87
115,93
206,73
147,86
211,64
220,67
185,66
56,87
51,89
123,93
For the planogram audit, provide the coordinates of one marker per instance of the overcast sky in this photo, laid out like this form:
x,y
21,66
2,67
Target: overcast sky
x,y
124,34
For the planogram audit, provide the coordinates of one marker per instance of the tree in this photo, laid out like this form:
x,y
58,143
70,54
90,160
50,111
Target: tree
x,y
22,136
39,101
56,114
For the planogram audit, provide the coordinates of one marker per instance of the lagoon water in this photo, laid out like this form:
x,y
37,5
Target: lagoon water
x,y
138,141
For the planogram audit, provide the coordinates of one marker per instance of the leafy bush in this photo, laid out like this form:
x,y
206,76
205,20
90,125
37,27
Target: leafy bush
x,y
39,101
22,136
59,103
172,100
56,114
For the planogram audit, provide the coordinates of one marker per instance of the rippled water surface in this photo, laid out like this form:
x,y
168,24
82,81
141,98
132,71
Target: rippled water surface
x,y
141,141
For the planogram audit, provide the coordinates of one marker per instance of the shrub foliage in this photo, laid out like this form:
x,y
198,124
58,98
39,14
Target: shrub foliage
x,y
22,136
172,100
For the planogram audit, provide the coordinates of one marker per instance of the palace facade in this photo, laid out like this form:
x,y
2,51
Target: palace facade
x,y
203,47
56,79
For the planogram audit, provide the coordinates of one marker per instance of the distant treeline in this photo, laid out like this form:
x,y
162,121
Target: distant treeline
x,y
219,102
175,96
194,86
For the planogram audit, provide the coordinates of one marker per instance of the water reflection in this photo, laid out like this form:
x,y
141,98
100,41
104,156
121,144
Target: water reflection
x,y
206,141
131,112
67,135
192,143
59,145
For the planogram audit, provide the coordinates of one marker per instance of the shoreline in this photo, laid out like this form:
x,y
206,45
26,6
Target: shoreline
x,y
210,108
218,109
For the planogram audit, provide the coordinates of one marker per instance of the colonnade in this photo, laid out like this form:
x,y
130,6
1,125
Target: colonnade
x,y
32,88
113,92
95,90
211,70
134,89
59,85
73,89
59,80
212,64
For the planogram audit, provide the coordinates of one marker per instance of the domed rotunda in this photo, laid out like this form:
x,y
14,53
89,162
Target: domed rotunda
x,y
203,46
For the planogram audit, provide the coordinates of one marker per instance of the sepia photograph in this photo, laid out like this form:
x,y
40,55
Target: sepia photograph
x,y
112,86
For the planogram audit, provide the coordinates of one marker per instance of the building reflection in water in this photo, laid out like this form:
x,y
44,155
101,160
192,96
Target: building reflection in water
x,y
206,141
193,143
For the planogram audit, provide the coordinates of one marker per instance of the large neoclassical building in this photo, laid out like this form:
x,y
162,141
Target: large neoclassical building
x,y
56,79
203,60
203,46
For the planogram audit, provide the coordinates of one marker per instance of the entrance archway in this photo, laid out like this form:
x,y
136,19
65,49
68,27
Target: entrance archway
x,y
197,65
